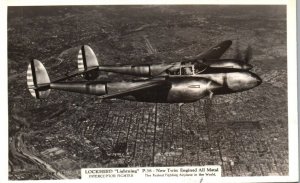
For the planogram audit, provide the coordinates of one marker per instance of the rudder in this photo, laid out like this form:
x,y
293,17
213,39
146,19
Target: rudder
x,y
38,81
87,60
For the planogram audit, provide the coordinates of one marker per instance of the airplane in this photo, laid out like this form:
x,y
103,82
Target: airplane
x,y
179,82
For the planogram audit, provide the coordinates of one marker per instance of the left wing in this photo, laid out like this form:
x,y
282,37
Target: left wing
x,y
214,52
135,89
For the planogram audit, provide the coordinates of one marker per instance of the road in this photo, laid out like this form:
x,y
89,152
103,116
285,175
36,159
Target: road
x,y
19,149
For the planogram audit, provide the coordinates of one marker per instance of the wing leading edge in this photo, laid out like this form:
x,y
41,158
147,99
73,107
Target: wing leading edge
x,y
214,52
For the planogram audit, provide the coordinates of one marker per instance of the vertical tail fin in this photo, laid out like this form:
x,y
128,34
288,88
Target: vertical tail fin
x,y
87,60
38,81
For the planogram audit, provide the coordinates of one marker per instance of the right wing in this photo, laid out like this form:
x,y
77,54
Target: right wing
x,y
214,52
135,89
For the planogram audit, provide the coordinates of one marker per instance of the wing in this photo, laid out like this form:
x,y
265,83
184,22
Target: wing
x,y
214,52
135,89
76,73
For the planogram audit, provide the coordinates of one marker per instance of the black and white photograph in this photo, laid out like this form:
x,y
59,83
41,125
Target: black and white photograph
x,y
130,86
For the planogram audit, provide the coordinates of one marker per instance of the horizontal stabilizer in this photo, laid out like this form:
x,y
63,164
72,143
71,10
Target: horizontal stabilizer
x,y
73,74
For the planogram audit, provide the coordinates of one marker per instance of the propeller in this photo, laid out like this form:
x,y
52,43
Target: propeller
x,y
210,93
247,53
225,81
238,54
208,103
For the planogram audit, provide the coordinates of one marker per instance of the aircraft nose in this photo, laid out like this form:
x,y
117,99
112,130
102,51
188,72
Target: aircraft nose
x,y
258,79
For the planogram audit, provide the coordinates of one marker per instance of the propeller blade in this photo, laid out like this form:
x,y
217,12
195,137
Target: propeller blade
x,y
211,94
248,54
238,54
180,104
207,85
225,81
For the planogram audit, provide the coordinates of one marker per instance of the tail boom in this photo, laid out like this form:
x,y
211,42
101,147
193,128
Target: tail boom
x,y
85,88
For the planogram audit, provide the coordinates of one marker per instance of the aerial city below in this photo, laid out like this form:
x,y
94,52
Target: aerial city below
x,y
147,86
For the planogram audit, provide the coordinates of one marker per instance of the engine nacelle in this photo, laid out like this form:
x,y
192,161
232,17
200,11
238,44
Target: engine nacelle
x,y
190,90
86,88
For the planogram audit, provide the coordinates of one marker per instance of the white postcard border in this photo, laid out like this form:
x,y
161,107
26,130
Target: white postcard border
x,y
292,84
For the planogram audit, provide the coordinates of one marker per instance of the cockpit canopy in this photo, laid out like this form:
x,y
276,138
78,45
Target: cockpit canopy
x,y
187,68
